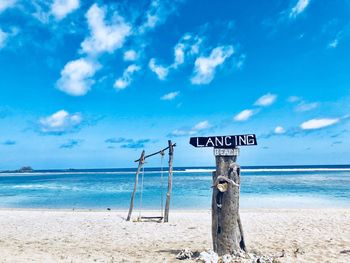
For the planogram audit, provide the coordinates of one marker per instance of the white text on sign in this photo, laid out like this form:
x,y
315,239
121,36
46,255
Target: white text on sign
x,y
226,152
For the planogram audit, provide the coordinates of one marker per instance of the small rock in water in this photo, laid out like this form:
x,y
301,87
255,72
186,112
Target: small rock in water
x,y
184,254
208,257
347,251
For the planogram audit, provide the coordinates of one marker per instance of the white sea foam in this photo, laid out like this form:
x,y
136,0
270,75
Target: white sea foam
x,y
44,186
296,170
257,170
64,173
199,170
186,170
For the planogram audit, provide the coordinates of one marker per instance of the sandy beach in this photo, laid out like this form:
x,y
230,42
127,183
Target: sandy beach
x,y
305,235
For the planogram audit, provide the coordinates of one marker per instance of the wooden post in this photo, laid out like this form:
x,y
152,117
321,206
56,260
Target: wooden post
x,y
141,162
227,229
170,181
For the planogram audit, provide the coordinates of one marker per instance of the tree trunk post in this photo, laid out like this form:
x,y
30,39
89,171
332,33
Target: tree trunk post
x,y
141,162
227,232
170,182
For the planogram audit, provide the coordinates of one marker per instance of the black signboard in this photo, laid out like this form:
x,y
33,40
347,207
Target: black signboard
x,y
230,141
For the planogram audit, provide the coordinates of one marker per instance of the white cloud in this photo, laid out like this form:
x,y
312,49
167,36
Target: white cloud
x,y
3,38
314,124
203,125
205,67
60,122
152,16
170,96
179,54
159,70
195,45
6,36
157,14
334,43
279,130
41,11
244,115
179,132
266,100
299,8
188,45
104,37
130,55
126,79
5,4
61,8
303,106
293,99
200,126
76,77
240,61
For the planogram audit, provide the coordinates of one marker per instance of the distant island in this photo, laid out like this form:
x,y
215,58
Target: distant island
x,y
24,169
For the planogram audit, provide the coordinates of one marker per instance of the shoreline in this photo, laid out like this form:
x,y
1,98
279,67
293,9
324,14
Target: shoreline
x,y
182,169
187,170
190,210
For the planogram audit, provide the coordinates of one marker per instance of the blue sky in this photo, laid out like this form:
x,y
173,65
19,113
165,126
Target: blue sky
x,y
91,83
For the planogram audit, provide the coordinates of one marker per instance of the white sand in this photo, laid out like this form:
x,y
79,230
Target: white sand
x,y
102,236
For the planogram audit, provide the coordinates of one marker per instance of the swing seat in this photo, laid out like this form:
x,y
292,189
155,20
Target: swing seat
x,y
150,218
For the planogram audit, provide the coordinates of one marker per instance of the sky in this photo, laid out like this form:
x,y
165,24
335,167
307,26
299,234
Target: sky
x,y
89,84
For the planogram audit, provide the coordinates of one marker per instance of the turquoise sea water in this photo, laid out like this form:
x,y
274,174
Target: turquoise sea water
x,y
261,187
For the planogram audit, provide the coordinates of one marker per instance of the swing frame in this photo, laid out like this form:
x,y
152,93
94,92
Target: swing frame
x,y
140,169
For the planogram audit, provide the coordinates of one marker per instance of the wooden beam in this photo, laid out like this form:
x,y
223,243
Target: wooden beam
x,y
141,162
170,181
152,154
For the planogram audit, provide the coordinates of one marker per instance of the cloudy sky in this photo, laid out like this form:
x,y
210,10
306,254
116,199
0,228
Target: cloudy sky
x,y
91,83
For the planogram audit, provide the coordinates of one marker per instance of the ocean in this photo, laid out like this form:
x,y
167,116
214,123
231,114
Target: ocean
x,y
261,187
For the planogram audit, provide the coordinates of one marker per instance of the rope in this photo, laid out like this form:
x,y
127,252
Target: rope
x,y
141,191
161,185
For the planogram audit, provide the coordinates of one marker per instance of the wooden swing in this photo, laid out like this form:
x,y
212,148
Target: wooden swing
x,y
164,213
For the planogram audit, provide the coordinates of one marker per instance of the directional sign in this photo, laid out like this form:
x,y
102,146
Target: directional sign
x,y
230,141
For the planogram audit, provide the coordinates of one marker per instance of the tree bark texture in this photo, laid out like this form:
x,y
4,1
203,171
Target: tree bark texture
x,y
226,225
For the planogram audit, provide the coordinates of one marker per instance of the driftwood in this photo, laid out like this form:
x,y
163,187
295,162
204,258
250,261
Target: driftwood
x,y
152,154
227,229
242,244
170,181
141,163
